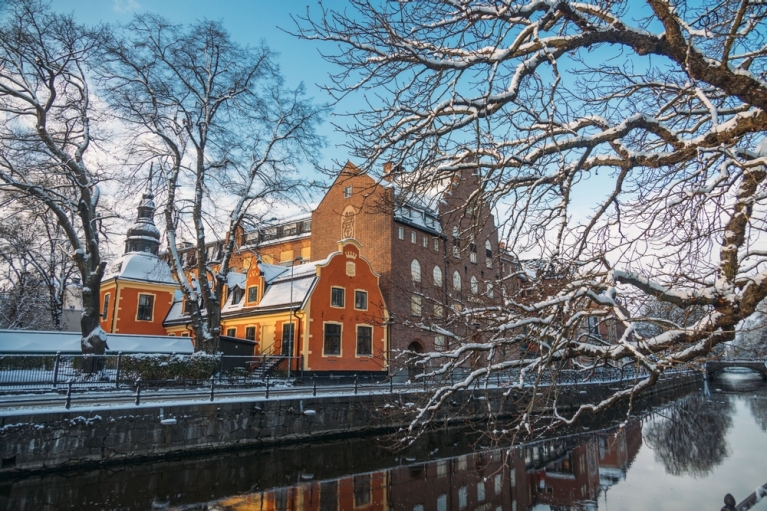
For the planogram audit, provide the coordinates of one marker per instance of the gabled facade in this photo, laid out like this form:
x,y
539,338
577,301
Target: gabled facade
x,y
329,314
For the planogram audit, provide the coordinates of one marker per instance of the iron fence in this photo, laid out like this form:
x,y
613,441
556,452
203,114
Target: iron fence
x,y
116,371
123,370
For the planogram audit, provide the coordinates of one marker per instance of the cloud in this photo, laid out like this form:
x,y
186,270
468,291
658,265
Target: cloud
x,y
126,5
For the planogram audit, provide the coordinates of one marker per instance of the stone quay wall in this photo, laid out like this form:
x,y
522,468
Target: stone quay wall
x,y
45,440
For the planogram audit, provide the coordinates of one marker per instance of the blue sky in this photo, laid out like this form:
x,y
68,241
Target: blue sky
x,y
249,22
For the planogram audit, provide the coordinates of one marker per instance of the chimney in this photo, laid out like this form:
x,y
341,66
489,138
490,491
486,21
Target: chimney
x,y
390,169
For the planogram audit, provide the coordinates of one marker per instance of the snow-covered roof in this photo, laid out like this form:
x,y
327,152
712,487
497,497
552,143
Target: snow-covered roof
x,y
279,294
29,341
235,279
140,266
271,271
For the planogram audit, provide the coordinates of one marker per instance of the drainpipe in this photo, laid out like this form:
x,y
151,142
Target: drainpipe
x,y
114,306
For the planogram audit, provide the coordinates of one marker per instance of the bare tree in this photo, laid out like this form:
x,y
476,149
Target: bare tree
x,y
34,269
653,111
227,134
45,137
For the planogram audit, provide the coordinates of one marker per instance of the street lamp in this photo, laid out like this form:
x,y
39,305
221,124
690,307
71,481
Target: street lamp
x,y
292,329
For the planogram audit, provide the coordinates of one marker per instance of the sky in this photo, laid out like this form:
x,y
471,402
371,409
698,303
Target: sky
x,y
249,22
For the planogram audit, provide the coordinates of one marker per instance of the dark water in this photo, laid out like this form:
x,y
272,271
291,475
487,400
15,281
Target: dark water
x,y
684,456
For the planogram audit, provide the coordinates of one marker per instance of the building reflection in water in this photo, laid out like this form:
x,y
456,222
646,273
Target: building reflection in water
x,y
565,474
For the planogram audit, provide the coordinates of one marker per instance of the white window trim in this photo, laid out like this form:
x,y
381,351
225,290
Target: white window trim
x,y
331,297
356,337
340,339
367,299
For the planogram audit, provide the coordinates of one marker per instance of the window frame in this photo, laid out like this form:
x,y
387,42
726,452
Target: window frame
x,y
343,297
401,233
457,283
139,306
416,273
416,305
105,308
229,331
254,300
360,292
357,341
441,280
325,326
413,237
348,191
253,328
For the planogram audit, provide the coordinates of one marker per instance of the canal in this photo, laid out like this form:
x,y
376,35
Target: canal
x,y
684,455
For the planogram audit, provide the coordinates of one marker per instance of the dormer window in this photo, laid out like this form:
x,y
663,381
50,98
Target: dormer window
x,y
236,295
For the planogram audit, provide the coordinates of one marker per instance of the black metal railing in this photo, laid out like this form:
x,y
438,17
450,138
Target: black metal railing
x,y
123,370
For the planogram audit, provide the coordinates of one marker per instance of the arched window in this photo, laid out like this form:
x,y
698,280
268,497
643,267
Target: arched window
x,y
437,273
474,285
456,281
415,270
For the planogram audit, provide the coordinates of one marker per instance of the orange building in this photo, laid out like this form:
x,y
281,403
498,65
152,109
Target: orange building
x,y
329,314
137,290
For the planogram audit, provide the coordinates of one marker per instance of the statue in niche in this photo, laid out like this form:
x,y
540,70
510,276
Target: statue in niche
x,y
347,224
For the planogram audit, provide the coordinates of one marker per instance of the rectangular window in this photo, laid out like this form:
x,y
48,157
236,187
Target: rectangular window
x,y
489,262
105,310
415,305
401,233
361,300
473,257
436,243
481,491
442,502
337,297
145,305
250,333
187,308
236,295
231,332
439,343
185,334
439,311
253,294
413,237
362,493
364,340
287,339
347,192
424,241
332,342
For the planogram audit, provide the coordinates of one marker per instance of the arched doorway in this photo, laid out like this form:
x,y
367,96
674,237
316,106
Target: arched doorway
x,y
413,369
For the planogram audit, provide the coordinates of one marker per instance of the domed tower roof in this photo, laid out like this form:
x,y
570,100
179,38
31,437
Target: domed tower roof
x,y
143,235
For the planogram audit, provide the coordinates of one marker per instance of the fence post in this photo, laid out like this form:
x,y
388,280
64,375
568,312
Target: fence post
x,y
56,369
117,375
138,391
69,395
314,386
356,383
267,386
212,385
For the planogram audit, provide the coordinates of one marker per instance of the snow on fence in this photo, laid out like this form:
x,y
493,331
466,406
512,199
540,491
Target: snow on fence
x,y
114,371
